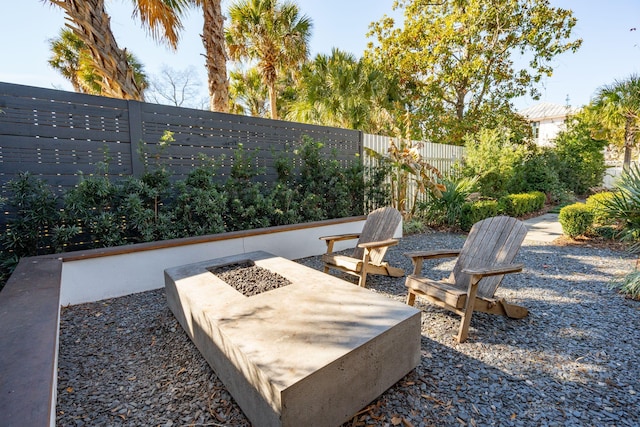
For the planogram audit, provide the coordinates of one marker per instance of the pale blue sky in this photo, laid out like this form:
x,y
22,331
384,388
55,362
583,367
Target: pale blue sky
x,y
610,51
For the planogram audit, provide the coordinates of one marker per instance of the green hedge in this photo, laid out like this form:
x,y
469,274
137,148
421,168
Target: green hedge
x,y
473,212
575,219
521,204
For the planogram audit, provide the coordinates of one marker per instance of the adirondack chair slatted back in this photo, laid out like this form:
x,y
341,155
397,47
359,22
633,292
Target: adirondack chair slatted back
x,y
492,241
380,225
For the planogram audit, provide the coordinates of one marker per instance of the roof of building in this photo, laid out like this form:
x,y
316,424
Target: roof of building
x,y
547,110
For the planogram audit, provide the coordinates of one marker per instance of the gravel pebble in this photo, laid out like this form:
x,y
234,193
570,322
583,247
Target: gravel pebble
x,y
573,361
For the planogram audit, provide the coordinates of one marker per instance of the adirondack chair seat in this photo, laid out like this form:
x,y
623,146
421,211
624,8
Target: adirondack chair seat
x,y
441,291
482,262
367,257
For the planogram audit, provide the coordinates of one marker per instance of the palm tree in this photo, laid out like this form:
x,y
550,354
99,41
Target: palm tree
x,y
248,94
72,59
91,23
339,90
66,57
215,54
272,34
619,105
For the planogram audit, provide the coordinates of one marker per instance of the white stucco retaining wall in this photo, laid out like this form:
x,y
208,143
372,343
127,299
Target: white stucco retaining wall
x,y
99,278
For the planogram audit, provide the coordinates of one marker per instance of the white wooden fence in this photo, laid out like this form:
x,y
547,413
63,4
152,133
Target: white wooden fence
x,y
441,156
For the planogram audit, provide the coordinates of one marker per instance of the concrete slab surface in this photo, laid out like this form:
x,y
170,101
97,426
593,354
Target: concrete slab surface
x,y
310,353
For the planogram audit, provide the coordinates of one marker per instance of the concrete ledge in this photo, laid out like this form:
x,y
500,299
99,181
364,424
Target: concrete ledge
x,y
29,319
310,353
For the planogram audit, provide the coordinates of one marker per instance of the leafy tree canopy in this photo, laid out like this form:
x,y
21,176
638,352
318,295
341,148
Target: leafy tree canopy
x,y
464,61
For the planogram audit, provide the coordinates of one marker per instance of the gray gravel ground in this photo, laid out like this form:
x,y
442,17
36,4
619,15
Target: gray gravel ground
x,y
574,361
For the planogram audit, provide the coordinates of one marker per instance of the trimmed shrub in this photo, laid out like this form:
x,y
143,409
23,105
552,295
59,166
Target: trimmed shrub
x,y
597,203
473,212
575,219
521,204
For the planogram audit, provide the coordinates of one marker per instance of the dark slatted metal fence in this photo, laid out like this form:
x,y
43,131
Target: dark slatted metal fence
x,y
56,135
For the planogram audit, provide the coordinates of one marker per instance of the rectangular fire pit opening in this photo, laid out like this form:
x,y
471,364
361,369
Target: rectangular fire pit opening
x,y
313,352
248,278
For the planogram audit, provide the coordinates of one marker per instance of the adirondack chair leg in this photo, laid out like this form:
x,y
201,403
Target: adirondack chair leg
x,y
417,266
463,332
363,273
411,298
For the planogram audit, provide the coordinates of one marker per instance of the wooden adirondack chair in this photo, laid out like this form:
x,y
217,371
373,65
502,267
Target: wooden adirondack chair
x,y
374,240
484,259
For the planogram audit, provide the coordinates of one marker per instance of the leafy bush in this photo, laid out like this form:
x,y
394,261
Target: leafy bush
x,y
446,209
491,157
575,219
580,156
327,189
30,227
597,203
537,172
521,204
473,212
248,203
99,212
200,204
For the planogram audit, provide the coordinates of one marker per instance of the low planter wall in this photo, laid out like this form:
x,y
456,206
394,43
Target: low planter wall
x,y
30,302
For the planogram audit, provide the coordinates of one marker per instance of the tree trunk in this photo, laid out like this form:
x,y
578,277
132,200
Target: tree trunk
x,y
92,24
216,57
629,140
272,101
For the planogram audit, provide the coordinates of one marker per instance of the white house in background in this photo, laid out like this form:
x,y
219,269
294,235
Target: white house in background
x,y
547,120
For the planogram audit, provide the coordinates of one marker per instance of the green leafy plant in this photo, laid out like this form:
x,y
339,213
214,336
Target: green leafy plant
x,y
328,189
537,172
575,219
200,203
473,212
580,156
34,226
629,285
447,209
492,157
624,206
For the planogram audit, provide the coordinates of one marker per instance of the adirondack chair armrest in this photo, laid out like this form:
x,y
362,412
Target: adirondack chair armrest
x,y
442,253
494,270
338,237
380,244
329,240
418,256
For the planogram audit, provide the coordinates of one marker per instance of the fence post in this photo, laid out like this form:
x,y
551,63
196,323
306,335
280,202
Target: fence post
x,y
135,136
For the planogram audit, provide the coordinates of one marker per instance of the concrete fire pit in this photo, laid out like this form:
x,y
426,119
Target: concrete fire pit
x,y
310,353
